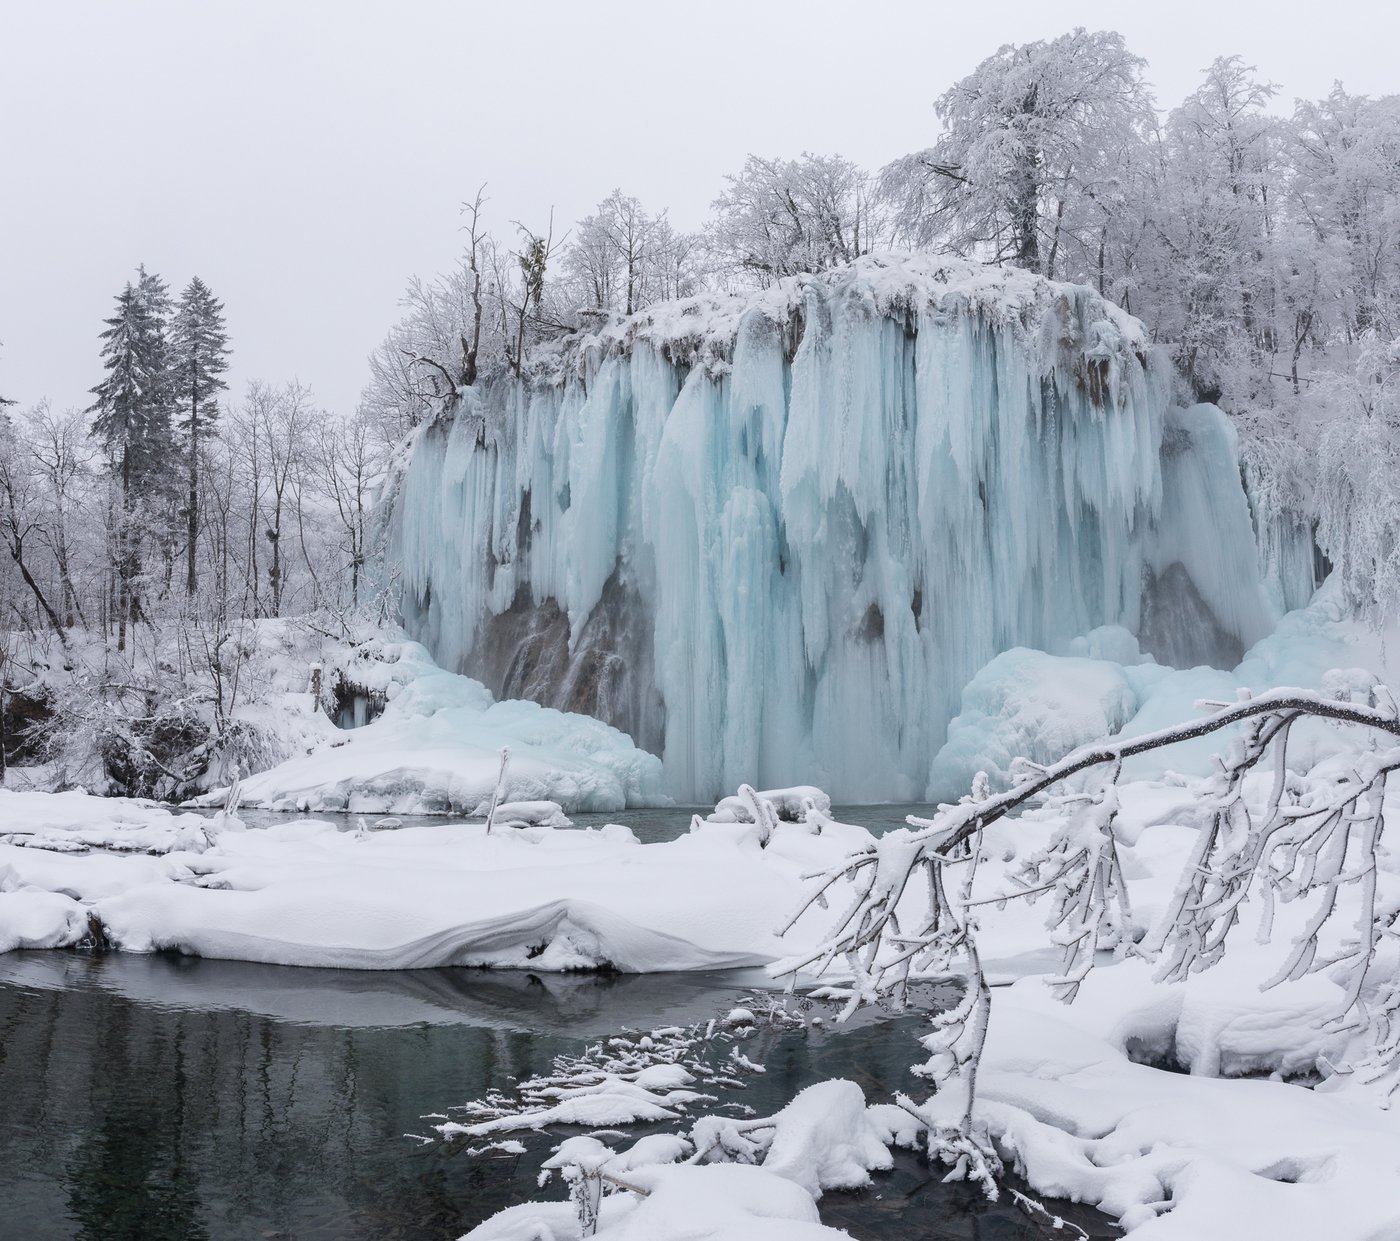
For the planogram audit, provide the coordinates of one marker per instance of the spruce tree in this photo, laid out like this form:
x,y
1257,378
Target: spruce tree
x,y
132,419
199,357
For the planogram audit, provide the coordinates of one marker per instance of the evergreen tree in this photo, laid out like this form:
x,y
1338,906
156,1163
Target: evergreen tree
x,y
132,419
199,357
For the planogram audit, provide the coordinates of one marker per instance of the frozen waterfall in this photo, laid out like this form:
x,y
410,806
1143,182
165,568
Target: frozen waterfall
x,y
774,538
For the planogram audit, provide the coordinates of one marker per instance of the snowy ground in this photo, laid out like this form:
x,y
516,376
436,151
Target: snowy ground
x,y
1262,1137
1058,1087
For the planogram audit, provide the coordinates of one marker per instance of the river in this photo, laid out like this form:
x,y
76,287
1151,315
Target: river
x,y
161,1098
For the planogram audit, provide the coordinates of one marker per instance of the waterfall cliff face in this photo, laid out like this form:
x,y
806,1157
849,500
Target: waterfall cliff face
x,y
774,539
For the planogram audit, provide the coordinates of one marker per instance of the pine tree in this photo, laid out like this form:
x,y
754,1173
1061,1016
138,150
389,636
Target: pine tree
x,y
133,419
199,349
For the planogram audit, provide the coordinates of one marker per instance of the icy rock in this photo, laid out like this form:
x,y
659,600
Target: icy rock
x,y
824,1139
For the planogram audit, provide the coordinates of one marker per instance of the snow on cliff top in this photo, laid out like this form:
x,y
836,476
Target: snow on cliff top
x,y
702,330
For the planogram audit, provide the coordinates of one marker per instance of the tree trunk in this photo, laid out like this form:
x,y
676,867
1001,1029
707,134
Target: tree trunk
x,y
192,527
123,555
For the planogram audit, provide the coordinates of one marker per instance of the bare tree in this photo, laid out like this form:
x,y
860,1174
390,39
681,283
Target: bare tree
x,y
63,456
21,517
350,463
285,417
519,287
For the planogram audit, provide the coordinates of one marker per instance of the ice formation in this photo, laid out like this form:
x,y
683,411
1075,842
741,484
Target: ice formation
x,y
773,540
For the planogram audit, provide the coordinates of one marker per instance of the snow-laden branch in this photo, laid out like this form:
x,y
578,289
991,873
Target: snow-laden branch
x,y
1308,839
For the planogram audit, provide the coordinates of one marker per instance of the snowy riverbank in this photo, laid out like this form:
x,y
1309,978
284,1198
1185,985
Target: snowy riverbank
x,y
1059,1089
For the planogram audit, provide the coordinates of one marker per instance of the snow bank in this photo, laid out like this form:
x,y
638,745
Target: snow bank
x,y
303,893
436,749
1179,1158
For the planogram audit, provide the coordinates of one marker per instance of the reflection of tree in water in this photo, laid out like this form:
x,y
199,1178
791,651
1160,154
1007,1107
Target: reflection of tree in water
x,y
149,1123
137,1122
127,1179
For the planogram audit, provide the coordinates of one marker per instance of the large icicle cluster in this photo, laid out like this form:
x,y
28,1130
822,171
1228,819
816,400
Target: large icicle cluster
x,y
775,539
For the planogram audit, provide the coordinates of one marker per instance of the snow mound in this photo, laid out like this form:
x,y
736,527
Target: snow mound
x,y
1182,1158
790,805
436,749
1032,705
302,893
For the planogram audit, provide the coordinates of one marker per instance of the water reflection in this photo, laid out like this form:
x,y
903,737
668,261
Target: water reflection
x,y
155,1098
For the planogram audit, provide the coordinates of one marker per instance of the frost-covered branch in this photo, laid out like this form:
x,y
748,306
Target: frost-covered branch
x,y
1306,840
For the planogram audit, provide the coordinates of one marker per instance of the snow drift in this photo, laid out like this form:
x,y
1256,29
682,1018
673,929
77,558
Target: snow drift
x,y
433,746
773,539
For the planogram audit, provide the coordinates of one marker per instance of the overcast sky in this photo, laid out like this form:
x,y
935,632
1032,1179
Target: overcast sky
x,y
305,157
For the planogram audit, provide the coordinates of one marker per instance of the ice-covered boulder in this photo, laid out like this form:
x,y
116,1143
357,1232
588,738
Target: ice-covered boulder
x,y
1027,704
790,805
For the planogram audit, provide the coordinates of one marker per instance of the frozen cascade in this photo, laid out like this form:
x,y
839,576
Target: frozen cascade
x,y
774,538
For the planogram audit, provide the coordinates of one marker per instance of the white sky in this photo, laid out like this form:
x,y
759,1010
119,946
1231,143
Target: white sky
x,y
306,156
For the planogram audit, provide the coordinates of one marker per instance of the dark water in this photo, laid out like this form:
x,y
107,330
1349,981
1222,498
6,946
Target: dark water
x,y
155,1098
649,826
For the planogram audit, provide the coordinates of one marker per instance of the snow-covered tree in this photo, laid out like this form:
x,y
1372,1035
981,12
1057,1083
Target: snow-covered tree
x,y
1218,206
1345,153
1031,166
780,217
198,359
621,258
1358,481
132,419
132,406
516,292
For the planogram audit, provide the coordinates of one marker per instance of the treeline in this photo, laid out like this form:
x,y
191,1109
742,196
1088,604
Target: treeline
x,y
163,498
147,534
1245,239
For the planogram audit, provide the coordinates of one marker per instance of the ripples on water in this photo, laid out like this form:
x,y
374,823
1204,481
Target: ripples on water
x,y
159,1098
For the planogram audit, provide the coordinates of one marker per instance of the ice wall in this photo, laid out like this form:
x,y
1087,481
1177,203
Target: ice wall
x,y
774,539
